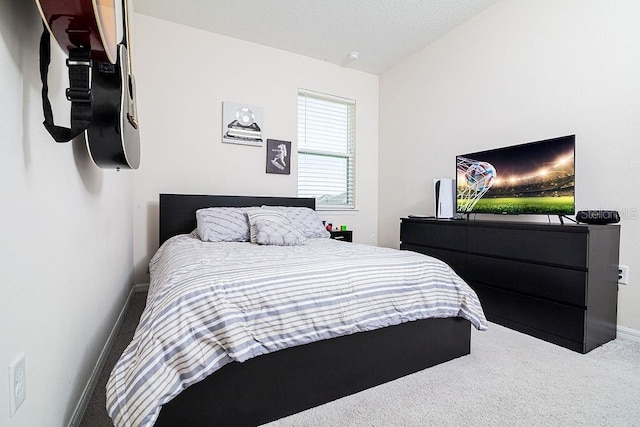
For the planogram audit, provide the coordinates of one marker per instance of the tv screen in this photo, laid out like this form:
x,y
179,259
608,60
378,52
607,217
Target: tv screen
x,y
533,178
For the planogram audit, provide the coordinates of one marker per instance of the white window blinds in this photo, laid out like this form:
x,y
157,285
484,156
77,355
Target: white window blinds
x,y
326,149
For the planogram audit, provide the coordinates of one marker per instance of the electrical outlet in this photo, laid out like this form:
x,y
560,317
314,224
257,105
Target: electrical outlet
x,y
623,274
17,383
373,238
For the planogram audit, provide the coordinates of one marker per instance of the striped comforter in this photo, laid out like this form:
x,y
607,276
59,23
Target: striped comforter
x,y
213,303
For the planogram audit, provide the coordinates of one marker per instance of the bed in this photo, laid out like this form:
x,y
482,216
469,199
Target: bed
x,y
276,382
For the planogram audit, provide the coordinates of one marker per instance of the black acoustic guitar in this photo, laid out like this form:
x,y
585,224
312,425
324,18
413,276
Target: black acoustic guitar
x,y
101,28
113,138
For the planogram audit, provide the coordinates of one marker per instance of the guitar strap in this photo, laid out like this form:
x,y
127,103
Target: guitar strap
x,y
79,91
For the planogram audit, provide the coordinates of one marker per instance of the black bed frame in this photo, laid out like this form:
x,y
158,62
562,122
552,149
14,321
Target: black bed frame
x,y
282,383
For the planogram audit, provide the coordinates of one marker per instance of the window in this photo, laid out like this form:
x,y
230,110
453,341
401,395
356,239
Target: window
x,y
326,149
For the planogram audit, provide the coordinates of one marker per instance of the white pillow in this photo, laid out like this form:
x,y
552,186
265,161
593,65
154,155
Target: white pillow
x,y
306,220
223,224
263,216
279,234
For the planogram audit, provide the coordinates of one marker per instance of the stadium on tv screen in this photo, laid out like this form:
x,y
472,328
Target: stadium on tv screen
x,y
533,178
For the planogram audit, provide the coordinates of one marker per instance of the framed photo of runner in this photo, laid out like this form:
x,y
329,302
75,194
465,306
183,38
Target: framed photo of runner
x,y
278,156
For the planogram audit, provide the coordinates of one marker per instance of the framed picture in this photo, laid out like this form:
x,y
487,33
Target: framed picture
x,y
278,156
242,124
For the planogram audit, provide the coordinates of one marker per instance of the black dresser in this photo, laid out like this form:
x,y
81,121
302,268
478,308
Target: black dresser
x,y
554,282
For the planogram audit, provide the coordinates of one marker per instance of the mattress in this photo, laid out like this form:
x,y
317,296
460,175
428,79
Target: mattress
x,y
213,303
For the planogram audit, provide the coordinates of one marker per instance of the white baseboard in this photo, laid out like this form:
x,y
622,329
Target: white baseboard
x,y
628,334
85,397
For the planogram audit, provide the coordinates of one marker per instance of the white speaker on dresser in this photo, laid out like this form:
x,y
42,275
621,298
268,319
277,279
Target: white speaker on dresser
x,y
445,197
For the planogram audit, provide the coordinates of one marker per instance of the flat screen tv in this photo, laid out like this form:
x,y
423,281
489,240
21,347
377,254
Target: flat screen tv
x,y
533,178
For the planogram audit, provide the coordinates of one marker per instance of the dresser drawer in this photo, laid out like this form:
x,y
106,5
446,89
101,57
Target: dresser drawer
x,y
455,260
554,283
434,233
345,236
534,313
550,247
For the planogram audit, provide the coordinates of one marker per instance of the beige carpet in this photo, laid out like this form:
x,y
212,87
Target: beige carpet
x,y
509,379
96,413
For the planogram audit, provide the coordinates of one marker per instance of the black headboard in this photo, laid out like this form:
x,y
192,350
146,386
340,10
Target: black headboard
x,y
178,211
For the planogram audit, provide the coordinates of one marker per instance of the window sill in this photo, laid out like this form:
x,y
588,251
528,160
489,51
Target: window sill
x,y
345,211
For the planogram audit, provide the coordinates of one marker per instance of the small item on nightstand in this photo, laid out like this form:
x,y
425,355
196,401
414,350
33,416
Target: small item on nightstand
x,y
329,227
343,228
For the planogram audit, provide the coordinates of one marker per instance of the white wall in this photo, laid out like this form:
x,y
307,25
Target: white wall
x,y
184,75
66,253
521,71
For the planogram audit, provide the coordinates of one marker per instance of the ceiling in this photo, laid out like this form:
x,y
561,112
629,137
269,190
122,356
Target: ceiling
x,y
383,32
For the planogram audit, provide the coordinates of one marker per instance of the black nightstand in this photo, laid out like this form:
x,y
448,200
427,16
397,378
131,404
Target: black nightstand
x,y
346,236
